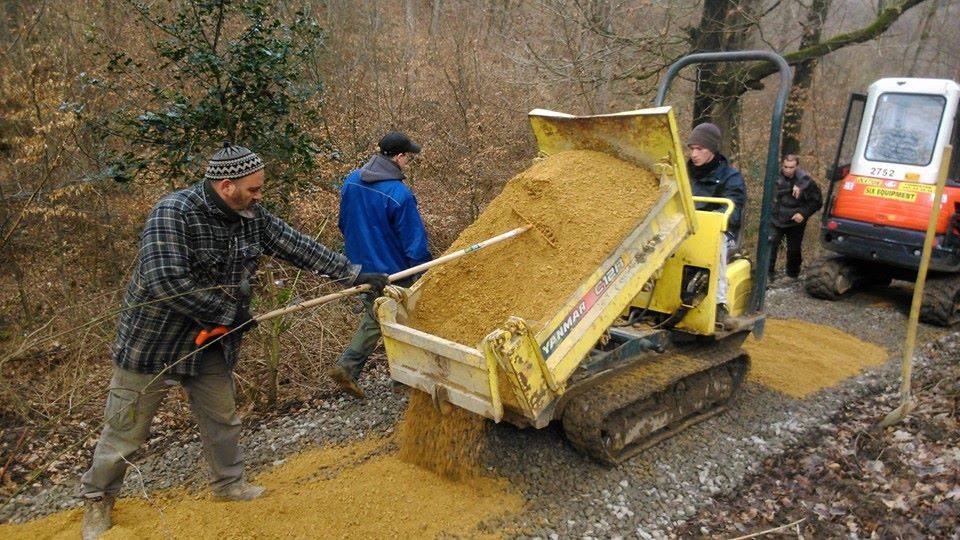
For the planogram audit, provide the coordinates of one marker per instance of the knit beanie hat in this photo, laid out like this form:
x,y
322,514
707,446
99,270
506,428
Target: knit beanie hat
x,y
706,135
232,162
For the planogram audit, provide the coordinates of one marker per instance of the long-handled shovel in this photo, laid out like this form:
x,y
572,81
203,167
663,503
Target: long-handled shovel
x,y
907,404
206,335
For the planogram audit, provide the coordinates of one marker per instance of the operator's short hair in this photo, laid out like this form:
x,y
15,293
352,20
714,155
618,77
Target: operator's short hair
x,y
791,157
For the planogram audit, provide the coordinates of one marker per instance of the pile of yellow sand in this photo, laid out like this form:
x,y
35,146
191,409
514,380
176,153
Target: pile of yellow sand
x,y
588,201
798,357
354,492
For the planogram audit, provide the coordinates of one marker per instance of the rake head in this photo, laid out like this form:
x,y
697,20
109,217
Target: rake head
x,y
544,231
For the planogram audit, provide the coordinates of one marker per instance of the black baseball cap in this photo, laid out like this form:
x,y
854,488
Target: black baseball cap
x,y
394,143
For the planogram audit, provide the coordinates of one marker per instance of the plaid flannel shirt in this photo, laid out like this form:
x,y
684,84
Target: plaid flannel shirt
x,y
194,252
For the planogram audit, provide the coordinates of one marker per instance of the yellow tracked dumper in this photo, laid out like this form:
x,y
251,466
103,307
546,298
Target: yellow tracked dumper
x,y
634,355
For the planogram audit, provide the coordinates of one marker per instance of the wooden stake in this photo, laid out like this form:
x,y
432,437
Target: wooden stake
x,y
906,366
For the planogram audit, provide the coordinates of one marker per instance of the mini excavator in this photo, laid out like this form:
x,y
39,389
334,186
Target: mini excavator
x,y
880,195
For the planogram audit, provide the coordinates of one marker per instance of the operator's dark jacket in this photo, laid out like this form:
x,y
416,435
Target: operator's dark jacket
x,y
720,179
785,205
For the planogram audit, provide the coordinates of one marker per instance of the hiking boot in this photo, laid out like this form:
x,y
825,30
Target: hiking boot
x,y
346,381
723,314
727,322
240,490
782,281
788,280
96,517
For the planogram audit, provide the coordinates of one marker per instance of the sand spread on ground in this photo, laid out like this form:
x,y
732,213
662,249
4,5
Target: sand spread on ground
x,y
586,203
358,491
799,357
589,201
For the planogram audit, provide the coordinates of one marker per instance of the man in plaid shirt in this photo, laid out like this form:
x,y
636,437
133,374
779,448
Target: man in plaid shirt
x,y
198,252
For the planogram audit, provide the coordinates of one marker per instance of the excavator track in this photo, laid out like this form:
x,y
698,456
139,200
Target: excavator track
x,y
616,414
834,277
941,300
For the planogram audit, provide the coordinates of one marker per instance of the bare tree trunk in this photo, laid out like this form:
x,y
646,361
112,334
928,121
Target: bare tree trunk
x,y
409,14
435,16
22,291
803,77
707,38
924,37
726,25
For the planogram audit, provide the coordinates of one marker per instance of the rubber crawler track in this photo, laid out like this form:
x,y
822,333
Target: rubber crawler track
x,y
940,299
593,403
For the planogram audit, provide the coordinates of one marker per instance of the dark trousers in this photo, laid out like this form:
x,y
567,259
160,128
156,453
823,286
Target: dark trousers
x,y
365,340
794,236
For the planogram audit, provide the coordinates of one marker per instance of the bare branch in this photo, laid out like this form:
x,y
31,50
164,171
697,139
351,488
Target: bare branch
x,y
753,76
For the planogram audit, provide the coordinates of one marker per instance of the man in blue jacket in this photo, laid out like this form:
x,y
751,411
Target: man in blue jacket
x,y
384,233
712,175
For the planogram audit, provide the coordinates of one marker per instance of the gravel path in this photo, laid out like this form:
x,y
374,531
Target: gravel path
x,y
657,490
569,494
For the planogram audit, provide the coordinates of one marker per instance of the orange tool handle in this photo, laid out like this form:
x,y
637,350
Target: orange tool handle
x,y
206,335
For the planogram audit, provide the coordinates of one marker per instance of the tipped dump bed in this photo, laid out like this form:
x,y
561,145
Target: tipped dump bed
x,y
532,276
502,329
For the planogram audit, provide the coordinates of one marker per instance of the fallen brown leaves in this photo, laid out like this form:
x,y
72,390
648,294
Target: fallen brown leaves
x,y
849,479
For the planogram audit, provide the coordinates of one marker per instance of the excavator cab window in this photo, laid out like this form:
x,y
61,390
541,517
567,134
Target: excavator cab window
x,y
848,137
904,128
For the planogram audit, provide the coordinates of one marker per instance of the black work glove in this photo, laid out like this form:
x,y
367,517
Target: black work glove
x,y
243,321
376,281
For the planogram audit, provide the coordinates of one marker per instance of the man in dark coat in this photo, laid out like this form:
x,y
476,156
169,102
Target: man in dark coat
x,y
712,175
797,198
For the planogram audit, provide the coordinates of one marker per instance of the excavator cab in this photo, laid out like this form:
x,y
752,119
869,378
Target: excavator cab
x,y
880,194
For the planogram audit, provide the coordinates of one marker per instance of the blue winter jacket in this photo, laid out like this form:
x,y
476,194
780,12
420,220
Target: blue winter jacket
x,y
725,181
381,225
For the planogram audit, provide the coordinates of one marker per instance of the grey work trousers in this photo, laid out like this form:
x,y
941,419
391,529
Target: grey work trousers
x,y
134,399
